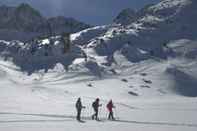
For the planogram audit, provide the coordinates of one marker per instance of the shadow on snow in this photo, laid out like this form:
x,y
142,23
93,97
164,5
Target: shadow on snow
x,y
71,117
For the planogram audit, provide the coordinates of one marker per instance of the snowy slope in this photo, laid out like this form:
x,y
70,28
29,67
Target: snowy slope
x,y
147,67
46,100
105,51
148,88
143,93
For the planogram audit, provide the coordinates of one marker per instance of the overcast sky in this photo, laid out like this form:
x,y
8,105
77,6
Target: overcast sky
x,y
95,12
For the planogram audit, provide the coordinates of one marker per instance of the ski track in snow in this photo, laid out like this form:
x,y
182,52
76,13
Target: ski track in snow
x,y
123,63
71,118
54,88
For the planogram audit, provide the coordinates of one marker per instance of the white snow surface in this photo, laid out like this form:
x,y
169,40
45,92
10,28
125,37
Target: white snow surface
x,y
144,94
148,69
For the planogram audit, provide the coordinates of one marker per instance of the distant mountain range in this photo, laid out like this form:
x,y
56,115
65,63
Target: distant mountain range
x,y
138,35
134,36
24,22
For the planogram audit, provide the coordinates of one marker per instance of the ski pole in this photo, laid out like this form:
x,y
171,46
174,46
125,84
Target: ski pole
x,y
106,114
116,114
99,113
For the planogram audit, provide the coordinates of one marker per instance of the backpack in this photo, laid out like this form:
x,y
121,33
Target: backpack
x,y
94,105
78,105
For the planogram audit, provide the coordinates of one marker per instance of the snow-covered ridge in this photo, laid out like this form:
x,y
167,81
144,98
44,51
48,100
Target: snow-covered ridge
x,y
86,35
140,40
167,4
38,54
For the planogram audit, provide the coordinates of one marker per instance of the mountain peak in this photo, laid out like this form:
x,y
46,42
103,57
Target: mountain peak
x,y
24,22
126,16
69,24
26,8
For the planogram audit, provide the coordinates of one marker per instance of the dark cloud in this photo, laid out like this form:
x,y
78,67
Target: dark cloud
x,y
89,11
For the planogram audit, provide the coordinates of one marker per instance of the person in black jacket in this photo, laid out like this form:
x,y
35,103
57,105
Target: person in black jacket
x,y
95,106
79,107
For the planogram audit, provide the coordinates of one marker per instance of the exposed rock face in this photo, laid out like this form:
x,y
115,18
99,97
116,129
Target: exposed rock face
x,y
126,17
24,22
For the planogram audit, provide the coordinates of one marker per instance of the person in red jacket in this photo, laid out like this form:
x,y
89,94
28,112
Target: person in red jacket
x,y
110,107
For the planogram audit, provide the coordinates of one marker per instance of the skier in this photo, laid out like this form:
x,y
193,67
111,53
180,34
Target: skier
x,y
95,106
79,107
109,106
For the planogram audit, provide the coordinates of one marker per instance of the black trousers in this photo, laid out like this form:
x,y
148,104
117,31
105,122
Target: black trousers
x,y
78,114
111,116
95,115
